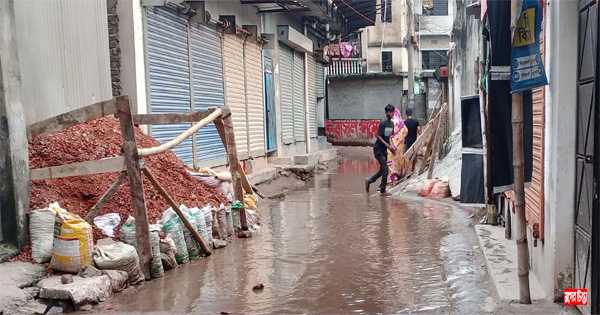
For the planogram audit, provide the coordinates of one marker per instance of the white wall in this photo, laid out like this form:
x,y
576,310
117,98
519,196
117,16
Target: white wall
x,y
133,63
63,55
553,261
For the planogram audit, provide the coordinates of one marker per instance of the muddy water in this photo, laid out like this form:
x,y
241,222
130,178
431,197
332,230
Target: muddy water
x,y
331,248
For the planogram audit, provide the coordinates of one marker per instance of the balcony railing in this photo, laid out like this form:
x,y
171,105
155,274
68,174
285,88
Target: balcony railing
x,y
345,66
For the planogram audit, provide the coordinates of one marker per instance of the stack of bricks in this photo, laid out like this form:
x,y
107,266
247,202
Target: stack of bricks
x,y
115,51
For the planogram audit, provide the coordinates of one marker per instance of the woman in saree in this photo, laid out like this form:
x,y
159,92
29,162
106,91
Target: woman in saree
x,y
396,161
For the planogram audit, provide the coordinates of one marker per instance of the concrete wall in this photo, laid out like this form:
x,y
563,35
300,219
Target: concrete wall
x,y
392,37
553,260
363,98
14,155
64,55
434,92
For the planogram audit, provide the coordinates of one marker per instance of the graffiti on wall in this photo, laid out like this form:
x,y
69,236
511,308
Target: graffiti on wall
x,y
351,131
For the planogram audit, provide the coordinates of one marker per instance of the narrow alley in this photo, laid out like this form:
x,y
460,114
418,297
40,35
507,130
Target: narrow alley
x,y
331,248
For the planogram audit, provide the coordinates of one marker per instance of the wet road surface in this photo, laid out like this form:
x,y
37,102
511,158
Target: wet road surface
x,y
331,248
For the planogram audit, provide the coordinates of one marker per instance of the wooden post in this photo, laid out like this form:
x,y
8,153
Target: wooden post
x,y
431,144
436,147
134,176
104,199
175,208
519,184
225,129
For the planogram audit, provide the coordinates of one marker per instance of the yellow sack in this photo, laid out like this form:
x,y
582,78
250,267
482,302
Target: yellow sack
x,y
250,203
73,242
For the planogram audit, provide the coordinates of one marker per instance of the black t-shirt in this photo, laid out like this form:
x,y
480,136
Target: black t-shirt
x,y
385,131
411,125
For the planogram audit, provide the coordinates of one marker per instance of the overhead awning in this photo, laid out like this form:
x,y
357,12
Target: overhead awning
x,y
357,13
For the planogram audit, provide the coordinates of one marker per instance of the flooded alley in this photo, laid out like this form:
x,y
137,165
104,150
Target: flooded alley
x,y
331,248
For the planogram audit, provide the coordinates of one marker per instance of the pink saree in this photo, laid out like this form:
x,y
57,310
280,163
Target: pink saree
x,y
396,161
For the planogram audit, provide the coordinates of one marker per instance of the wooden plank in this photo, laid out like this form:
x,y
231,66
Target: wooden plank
x,y
107,165
436,148
160,119
175,208
436,131
136,187
104,199
426,133
73,118
245,183
225,129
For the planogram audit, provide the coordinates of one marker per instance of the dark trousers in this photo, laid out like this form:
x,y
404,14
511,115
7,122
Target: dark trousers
x,y
383,171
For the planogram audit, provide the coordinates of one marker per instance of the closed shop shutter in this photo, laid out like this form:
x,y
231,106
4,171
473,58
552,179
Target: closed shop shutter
x,y
287,95
207,68
236,93
299,115
320,80
534,196
312,95
254,92
169,76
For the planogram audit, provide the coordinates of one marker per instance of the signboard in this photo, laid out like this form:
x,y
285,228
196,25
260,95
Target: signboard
x,y
527,68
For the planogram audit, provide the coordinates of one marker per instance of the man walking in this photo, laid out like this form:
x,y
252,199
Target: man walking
x,y
380,148
414,129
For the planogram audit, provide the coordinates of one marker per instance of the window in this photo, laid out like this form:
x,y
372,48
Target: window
x,y
435,7
386,61
386,10
432,59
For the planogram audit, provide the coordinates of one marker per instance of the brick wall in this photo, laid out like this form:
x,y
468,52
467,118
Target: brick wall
x,y
115,51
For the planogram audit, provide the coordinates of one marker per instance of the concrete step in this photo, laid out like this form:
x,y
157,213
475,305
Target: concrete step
x,y
501,259
266,174
307,159
285,160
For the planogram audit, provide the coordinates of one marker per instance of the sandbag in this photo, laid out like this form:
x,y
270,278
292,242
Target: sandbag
x,y
236,210
119,256
440,190
167,253
127,232
73,242
208,220
156,266
426,187
41,231
222,221
200,223
173,228
107,223
190,241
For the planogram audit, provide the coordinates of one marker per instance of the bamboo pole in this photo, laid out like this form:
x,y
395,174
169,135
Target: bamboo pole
x,y
519,188
104,199
175,208
186,134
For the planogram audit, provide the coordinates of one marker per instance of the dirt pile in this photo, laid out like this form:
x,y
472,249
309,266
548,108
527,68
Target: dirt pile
x,y
100,139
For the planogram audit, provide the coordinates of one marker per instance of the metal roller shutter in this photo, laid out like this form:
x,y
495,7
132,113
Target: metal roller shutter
x,y
312,95
287,95
534,196
298,79
254,97
236,92
169,75
320,80
208,88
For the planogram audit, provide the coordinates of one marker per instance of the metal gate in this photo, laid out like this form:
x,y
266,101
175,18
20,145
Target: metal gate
x,y
185,74
254,98
299,113
312,95
236,91
271,122
586,201
287,94
207,70
169,74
